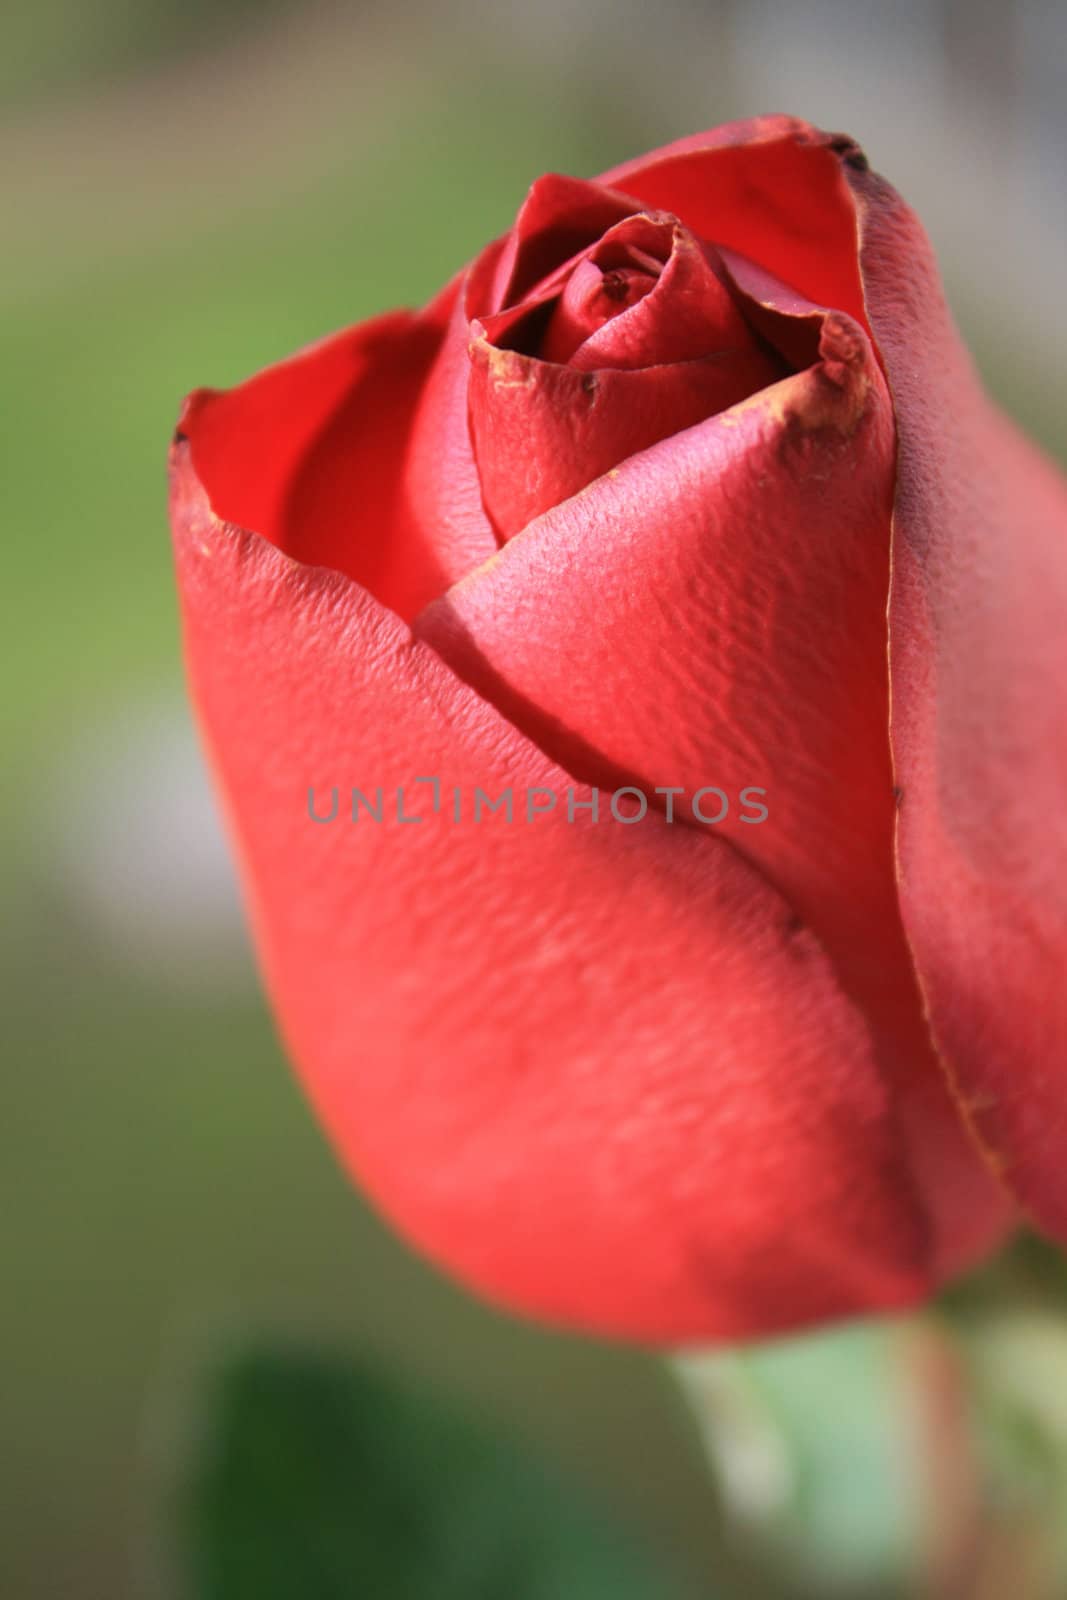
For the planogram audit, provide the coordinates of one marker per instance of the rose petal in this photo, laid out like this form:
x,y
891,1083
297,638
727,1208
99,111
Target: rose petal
x,y
595,1068
443,490
318,453
543,432
978,636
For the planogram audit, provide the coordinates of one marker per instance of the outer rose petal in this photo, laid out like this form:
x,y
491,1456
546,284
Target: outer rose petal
x,y
593,1068
735,578
978,636
318,452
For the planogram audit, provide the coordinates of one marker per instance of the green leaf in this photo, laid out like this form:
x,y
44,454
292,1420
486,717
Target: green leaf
x,y
319,1479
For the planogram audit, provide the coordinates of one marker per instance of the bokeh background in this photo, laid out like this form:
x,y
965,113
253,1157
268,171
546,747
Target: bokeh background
x,y
209,1344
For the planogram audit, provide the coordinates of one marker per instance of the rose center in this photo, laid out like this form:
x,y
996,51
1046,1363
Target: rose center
x,y
592,295
626,286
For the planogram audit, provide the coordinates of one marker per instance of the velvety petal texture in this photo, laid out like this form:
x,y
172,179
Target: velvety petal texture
x,y
755,550
978,641
591,1067
626,508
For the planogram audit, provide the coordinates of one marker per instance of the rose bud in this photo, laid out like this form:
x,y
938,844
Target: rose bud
x,y
685,484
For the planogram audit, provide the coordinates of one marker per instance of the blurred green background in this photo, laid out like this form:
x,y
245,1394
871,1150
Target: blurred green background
x,y
192,192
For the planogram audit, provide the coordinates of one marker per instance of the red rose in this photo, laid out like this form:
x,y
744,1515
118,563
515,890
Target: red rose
x,y
623,509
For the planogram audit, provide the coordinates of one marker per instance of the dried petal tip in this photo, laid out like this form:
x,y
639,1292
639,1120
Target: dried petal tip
x,y
851,154
842,348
